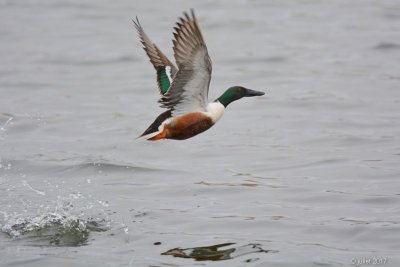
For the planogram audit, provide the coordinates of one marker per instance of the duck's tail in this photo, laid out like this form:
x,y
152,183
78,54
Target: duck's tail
x,y
159,136
155,136
157,130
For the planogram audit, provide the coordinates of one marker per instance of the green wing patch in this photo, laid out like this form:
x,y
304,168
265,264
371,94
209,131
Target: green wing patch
x,y
164,79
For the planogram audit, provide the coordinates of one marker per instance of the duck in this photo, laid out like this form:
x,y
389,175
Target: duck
x,y
184,88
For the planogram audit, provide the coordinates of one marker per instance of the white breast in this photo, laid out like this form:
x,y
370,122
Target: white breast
x,y
215,110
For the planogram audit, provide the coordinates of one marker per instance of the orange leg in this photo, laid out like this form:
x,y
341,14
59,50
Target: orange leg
x,y
161,135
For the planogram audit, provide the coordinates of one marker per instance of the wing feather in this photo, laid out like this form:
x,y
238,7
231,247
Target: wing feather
x,y
189,89
160,62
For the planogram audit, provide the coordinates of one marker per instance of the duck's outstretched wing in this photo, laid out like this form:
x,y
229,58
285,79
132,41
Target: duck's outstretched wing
x,y
164,67
189,88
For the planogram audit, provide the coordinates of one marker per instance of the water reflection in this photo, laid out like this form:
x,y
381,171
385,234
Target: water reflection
x,y
215,253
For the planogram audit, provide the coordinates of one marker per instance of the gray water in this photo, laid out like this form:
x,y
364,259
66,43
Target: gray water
x,y
307,175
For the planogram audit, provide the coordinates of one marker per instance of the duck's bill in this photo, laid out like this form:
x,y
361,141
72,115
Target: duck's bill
x,y
250,92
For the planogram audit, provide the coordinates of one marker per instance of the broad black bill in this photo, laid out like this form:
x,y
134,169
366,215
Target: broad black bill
x,y
250,92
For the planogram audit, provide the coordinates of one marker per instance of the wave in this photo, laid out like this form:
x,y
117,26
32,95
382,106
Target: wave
x,y
60,166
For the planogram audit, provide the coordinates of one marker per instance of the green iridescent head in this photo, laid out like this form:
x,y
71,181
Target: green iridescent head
x,y
237,92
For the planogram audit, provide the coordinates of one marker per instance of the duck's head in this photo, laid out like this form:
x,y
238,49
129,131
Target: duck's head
x,y
236,92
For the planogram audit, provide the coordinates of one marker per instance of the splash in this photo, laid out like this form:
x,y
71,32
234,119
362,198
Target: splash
x,y
53,229
63,223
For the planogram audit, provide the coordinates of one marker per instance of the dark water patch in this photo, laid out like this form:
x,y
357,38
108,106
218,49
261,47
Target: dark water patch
x,y
5,116
370,198
216,253
248,174
244,183
372,160
53,230
387,46
365,222
272,59
246,218
381,200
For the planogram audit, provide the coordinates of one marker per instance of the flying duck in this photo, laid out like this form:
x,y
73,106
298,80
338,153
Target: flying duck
x,y
184,89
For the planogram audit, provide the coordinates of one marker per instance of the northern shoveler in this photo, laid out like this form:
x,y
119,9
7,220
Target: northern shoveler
x,y
184,91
